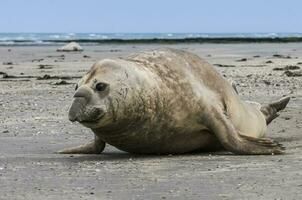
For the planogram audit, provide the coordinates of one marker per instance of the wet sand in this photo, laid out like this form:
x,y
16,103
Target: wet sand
x,y
36,88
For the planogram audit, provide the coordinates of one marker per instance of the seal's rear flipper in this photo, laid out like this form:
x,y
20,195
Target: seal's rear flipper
x,y
232,140
271,110
280,104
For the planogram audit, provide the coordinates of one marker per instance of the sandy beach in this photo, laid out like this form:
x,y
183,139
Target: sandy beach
x,y
36,88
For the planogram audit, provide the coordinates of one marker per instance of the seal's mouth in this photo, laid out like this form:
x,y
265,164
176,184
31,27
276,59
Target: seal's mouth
x,y
92,121
92,115
83,113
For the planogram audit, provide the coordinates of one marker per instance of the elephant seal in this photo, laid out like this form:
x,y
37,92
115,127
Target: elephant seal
x,y
168,101
72,46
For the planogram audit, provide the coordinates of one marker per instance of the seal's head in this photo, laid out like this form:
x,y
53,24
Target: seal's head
x,y
97,93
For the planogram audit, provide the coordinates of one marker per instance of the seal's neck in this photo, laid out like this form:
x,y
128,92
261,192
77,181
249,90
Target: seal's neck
x,y
119,127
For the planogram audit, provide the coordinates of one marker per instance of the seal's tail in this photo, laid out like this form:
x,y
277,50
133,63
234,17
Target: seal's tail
x,y
271,110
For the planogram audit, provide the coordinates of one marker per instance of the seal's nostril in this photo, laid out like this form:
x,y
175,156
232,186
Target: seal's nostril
x,y
83,92
72,119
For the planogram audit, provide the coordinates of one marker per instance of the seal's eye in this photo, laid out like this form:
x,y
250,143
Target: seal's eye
x,y
76,87
101,87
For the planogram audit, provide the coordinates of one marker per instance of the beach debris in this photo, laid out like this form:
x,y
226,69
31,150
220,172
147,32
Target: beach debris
x,y
7,63
115,50
299,63
266,82
281,56
252,66
56,56
37,60
288,67
293,74
269,62
242,60
287,117
12,80
72,46
5,75
47,76
62,82
86,56
45,66
221,65
292,67
256,56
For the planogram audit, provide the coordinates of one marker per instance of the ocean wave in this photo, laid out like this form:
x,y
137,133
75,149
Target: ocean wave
x,y
56,38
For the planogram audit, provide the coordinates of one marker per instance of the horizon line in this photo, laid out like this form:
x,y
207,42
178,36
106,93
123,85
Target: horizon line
x,y
72,32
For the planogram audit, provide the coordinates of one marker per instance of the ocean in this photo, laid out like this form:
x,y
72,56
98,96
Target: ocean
x,y
12,39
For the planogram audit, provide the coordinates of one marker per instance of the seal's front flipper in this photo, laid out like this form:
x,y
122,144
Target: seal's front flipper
x,y
233,141
271,110
234,86
95,146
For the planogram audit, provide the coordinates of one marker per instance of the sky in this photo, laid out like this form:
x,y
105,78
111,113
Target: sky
x,y
150,16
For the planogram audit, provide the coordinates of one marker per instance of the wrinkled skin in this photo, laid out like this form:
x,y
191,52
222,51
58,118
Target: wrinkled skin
x,y
168,101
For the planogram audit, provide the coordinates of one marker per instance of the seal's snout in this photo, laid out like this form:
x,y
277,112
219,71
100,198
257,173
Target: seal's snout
x,y
81,97
83,109
76,108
